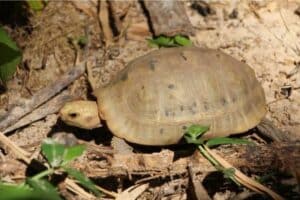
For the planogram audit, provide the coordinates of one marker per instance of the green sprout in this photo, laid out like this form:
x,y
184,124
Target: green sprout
x,y
36,5
58,157
10,56
193,136
164,41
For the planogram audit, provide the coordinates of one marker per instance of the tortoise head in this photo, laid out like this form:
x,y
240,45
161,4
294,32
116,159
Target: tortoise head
x,y
82,114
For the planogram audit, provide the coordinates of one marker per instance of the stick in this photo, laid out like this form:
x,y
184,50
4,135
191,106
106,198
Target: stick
x,y
41,97
48,108
168,18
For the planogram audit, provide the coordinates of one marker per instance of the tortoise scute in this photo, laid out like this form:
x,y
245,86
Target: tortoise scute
x,y
169,89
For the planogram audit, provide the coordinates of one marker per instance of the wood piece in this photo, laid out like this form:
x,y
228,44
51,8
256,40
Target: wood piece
x,y
257,159
103,17
40,97
138,31
168,18
132,192
19,152
87,7
242,178
119,10
48,108
289,156
74,187
198,189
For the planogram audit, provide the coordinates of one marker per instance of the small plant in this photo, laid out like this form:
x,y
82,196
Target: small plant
x,y
164,41
10,56
58,157
78,42
36,5
193,136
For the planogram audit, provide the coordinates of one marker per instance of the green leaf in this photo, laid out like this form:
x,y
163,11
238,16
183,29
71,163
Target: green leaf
x,y
72,153
152,44
182,41
25,192
10,56
194,132
53,151
83,180
225,140
36,5
14,192
82,41
57,154
5,39
190,140
45,189
163,41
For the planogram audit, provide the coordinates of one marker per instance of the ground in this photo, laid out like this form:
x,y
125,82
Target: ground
x,y
264,34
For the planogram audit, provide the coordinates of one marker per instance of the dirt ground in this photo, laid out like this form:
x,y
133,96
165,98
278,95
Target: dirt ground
x,y
264,34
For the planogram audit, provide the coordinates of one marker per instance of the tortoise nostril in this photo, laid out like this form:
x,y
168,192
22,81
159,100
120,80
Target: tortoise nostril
x,y
73,115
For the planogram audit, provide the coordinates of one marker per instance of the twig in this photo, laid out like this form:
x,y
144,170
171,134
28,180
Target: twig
x,y
198,188
132,192
103,17
243,179
20,153
72,186
41,97
49,107
110,193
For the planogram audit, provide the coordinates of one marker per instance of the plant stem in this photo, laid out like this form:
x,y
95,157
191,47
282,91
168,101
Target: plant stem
x,y
43,174
208,156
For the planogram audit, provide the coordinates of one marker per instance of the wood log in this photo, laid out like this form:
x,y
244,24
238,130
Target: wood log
x,y
168,18
248,158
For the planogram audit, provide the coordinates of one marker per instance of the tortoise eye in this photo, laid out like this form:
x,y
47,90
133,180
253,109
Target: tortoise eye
x,y
73,115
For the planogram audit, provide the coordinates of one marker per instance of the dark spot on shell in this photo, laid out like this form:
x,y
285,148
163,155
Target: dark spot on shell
x,y
124,77
194,104
218,55
223,101
143,87
183,56
161,131
167,113
171,86
193,112
234,99
205,105
181,108
152,64
184,127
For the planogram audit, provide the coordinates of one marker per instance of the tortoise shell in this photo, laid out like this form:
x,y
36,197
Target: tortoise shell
x,y
157,96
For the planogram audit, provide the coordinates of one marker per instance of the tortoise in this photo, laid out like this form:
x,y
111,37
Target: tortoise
x,y
156,97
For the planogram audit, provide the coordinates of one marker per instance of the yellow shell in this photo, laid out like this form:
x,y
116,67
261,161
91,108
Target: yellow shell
x,y
155,98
